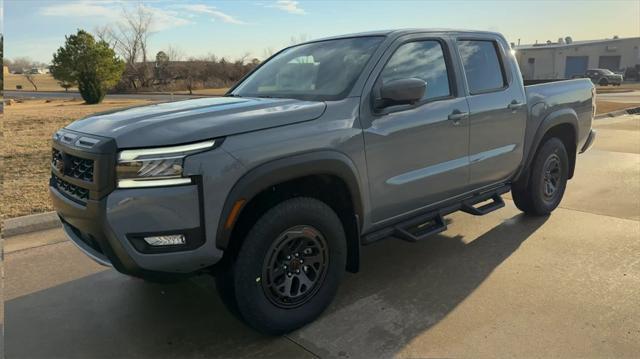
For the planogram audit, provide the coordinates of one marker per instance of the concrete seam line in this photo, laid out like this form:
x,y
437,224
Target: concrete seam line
x,y
31,223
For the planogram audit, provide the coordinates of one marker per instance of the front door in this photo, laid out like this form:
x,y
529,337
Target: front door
x,y
417,154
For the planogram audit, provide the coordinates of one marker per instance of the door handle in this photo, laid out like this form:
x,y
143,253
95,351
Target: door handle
x,y
457,116
514,105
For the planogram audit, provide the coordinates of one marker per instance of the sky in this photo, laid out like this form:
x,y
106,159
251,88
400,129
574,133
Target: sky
x,y
230,29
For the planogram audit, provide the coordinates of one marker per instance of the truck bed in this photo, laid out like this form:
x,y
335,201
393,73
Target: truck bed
x,y
558,96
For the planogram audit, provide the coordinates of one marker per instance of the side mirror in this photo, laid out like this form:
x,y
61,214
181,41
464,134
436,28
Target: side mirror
x,y
401,92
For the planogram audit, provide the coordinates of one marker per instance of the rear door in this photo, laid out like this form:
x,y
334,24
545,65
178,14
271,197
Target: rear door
x,y
498,110
416,154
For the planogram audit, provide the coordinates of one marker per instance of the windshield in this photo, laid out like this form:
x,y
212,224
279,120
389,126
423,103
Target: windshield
x,y
324,70
606,72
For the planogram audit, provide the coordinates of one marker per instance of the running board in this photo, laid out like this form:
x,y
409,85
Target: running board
x,y
420,228
496,203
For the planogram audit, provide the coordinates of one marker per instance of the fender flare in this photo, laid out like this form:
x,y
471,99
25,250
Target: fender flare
x,y
555,118
284,169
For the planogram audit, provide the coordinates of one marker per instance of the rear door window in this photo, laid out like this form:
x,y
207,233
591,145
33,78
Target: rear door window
x,y
482,65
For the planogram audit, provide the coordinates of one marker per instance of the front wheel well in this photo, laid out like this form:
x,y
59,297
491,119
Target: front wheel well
x,y
330,189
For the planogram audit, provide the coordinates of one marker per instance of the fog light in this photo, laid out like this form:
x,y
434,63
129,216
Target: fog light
x,y
170,240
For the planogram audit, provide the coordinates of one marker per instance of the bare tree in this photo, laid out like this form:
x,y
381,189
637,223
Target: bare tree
x,y
298,39
267,52
190,72
20,64
243,58
130,39
31,78
174,53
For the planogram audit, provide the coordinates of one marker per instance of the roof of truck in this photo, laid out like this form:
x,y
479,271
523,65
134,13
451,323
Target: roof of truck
x,y
400,32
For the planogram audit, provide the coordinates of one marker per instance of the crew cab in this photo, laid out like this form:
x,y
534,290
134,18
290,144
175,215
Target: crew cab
x,y
327,146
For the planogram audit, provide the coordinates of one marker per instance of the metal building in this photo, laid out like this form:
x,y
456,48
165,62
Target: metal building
x,y
566,58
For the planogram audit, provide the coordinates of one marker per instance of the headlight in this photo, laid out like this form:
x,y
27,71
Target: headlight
x,y
154,167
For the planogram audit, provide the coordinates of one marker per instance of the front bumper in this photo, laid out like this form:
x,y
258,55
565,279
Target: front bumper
x,y
615,80
111,230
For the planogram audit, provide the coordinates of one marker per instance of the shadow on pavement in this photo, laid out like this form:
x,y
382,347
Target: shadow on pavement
x,y
402,290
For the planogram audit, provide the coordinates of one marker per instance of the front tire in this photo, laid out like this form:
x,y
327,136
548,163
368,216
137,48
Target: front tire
x,y
289,266
547,180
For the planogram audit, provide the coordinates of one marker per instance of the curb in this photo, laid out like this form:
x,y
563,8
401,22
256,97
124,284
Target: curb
x,y
32,223
631,110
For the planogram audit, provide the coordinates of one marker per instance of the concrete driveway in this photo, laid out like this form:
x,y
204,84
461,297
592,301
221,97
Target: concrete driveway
x,y
494,286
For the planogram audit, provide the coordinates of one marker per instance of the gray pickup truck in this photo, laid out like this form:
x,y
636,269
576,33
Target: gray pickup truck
x,y
326,146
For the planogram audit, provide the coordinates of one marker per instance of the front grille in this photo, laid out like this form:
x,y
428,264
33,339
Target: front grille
x,y
76,193
72,166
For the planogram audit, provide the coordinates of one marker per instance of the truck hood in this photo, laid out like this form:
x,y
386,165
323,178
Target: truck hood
x,y
187,121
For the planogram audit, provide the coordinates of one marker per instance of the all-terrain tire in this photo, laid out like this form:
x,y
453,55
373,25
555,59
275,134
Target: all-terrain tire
x,y
547,180
243,283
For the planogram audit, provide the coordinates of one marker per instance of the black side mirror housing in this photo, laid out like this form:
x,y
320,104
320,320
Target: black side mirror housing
x,y
401,92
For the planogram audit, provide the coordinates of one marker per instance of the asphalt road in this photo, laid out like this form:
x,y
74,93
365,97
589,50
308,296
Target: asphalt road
x,y
501,285
55,95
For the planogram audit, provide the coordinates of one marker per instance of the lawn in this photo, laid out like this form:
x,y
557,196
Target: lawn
x,y
28,128
45,82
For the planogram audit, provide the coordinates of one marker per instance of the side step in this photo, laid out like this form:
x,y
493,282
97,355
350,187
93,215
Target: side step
x,y
420,228
468,206
432,222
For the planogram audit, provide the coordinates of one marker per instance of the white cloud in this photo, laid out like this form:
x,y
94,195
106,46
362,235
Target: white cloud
x,y
290,6
165,19
111,11
213,11
80,9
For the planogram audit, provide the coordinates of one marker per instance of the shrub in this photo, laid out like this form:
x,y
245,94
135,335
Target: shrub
x,y
92,65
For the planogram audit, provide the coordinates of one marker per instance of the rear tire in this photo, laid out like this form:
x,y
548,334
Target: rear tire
x,y
547,180
603,82
288,267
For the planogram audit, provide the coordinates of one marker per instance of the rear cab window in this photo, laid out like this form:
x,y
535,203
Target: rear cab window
x,y
483,66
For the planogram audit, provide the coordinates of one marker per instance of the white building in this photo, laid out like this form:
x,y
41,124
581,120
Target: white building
x,y
566,58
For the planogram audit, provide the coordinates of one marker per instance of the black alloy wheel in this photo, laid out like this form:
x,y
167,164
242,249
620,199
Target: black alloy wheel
x,y
295,266
552,177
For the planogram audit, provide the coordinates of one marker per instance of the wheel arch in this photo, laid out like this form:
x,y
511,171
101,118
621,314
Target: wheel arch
x,y
315,169
563,124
